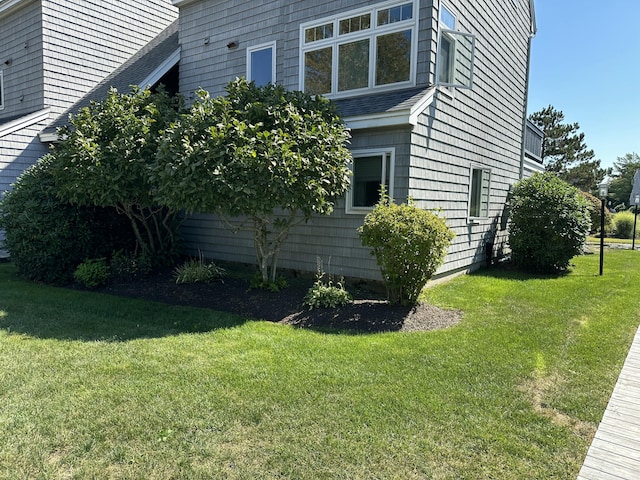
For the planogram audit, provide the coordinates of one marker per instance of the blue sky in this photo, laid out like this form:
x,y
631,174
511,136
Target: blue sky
x,y
585,61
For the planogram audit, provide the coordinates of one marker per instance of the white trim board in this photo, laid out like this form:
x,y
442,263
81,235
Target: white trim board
x,y
161,69
24,122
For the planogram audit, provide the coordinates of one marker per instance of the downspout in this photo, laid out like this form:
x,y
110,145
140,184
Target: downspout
x,y
526,88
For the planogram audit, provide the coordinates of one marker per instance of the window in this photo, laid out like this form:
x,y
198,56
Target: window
x,y
361,50
479,192
370,170
447,19
261,64
454,61
1,91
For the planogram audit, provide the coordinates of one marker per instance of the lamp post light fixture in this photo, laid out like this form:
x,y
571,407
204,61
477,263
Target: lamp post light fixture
x,y
604,190
636,202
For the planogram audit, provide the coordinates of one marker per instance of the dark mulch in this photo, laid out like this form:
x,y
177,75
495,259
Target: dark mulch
x,y
368,313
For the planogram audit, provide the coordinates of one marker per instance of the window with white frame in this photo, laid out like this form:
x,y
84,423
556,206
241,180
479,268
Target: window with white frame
x,y
364,49
371,170
261,64
455,56
1,90
479,192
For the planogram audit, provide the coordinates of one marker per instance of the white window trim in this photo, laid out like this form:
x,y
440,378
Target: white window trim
x,y
472,218
454,36
1,90
262,46
372,34
383,152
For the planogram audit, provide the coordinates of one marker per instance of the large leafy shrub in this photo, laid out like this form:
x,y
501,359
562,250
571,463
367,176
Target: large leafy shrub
x,y
409,245
550,221
105,159
47,237
269,156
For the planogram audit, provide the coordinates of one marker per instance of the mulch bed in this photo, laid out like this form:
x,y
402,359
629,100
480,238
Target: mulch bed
x,y
369,313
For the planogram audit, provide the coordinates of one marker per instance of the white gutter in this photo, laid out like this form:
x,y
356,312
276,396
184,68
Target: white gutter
x,y
9,5
24,122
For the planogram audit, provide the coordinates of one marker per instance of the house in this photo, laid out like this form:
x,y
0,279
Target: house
x,y
52,52
435,94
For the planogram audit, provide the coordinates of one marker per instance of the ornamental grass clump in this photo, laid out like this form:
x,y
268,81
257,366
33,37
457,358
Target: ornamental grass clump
x,y
623,224
409,245
197,270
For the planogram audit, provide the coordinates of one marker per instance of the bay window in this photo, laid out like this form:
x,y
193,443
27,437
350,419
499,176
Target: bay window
x,y
361,50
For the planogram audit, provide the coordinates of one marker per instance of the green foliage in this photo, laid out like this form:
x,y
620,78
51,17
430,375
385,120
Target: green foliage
x,y
409,245
92,273
624,170
595,210
562,146
105,158
550,221
126,265
275,285
326,294
48,237
622,226
251,153
196,270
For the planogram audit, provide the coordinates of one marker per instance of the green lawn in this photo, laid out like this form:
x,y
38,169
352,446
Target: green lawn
x,y
93,386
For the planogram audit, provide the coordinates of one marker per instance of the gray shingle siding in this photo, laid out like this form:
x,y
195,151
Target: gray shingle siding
x,y
21,43
86,41
59,50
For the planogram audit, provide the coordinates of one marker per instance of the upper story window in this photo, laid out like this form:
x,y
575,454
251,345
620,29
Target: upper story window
x,y
456,50
364,49
1,90
261,64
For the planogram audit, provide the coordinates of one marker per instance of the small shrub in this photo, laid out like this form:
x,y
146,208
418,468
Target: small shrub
x,y
409,245
128,266
258,282
324,294
92,273
623,224
196,270
549,223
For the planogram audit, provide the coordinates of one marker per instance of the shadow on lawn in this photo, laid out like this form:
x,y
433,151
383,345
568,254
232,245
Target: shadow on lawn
x,y
508,271
117,328
69,315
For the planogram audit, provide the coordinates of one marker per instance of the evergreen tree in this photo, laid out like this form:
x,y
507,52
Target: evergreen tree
x,y
563,147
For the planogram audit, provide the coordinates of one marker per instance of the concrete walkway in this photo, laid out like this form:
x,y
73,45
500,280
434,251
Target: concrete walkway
x,y
614,453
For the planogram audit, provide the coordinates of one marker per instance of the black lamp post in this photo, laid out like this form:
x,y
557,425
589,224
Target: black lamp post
x,y
604,190
636,201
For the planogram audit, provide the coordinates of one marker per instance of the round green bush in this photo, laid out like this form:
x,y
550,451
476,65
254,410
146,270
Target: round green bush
x,y
409,244
47,238
550,221
92,273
